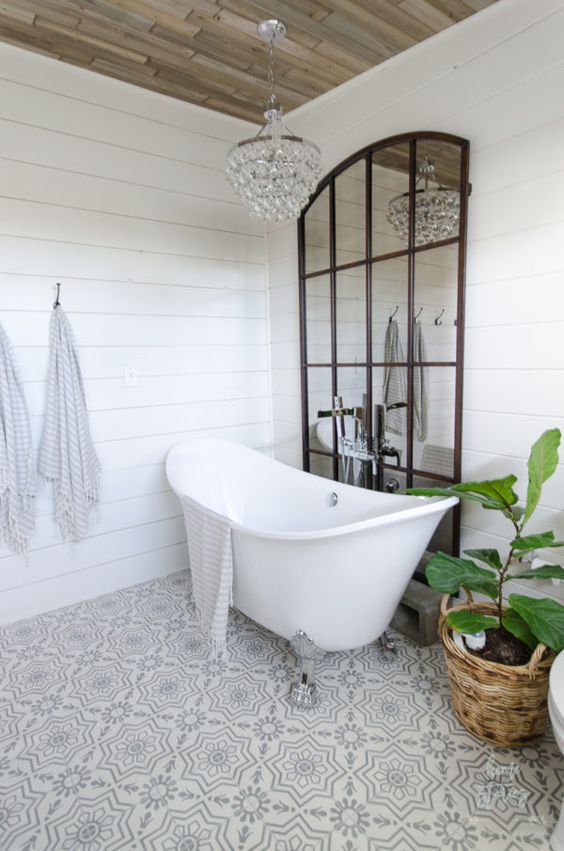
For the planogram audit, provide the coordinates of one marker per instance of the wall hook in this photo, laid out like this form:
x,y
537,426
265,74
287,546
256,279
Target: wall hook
x,y
394,313
418,314
438,320
56,303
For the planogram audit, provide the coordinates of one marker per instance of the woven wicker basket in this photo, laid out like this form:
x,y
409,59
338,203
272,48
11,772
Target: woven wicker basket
x,y
501,704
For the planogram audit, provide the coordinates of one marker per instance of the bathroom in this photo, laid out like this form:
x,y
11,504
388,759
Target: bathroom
x,y
186,315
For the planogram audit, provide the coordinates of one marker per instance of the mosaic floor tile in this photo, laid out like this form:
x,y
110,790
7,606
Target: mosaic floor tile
x,y
119,731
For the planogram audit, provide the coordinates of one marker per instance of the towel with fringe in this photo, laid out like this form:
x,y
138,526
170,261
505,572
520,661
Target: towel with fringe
x,y
211,564
420,407
17,476
395,383
66,453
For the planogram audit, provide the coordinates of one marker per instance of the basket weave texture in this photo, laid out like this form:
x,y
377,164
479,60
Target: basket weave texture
x,y
503,705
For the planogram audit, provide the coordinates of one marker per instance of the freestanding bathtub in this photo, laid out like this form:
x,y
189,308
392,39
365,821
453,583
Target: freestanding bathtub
x,y
308,553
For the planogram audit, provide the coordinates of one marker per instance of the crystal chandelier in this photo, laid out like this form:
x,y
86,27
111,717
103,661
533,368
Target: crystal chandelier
x,y
437,209
275,172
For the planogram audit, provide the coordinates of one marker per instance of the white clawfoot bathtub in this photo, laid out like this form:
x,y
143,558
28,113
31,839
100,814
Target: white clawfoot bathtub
x,y
336,571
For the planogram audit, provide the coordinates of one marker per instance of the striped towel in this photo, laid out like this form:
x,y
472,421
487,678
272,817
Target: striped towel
x,y
438,459
395,384
66,453
420,407
211,564
17,476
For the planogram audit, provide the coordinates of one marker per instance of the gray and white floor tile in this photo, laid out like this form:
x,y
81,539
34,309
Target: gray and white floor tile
x,y
118,730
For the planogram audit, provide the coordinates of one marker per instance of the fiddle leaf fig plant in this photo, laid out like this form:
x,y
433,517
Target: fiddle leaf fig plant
x,y
530,619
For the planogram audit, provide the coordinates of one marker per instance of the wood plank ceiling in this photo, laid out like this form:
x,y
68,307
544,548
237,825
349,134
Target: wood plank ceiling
x,y
207,51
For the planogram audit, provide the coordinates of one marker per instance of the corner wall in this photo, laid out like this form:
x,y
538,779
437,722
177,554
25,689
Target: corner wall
x,y
120,194
497,79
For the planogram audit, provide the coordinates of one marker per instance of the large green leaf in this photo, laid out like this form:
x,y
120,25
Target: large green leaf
x,y
535,542
515,624
441,492
498,491
470,622
544,616
489,587
447,573
460,493
491,557
545,571
543,461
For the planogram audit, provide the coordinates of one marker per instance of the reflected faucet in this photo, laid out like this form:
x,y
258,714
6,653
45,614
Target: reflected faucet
x,y
355,455
353,448
383,449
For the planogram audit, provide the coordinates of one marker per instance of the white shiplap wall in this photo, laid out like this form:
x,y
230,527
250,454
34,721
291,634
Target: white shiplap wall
x,y
120,194
496,79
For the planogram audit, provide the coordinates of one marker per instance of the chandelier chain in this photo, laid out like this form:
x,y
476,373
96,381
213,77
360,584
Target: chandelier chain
x,y
272,100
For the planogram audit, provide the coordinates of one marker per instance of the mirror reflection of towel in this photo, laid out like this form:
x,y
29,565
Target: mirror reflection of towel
x,y
394,388
420,412
438,459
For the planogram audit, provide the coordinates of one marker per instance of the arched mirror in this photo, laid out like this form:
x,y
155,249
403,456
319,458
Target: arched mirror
x,y
382,256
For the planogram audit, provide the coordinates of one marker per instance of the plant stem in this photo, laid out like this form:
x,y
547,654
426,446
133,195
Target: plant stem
x,y
502,575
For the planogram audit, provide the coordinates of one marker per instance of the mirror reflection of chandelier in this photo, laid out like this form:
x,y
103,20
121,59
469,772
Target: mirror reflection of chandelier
x,y
275,172
437,209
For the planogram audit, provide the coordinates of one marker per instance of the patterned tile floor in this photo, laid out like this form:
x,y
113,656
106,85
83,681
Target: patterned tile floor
x,y
118,731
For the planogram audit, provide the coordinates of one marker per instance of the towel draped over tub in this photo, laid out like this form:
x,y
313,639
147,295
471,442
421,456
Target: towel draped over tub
x,y
211,564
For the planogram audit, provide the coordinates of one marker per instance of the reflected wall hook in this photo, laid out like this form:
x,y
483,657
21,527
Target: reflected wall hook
x,y
438,320
418,314
394,313
56,303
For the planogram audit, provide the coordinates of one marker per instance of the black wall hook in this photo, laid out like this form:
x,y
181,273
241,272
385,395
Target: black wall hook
x,y
56,303
438,320
418,314
394,313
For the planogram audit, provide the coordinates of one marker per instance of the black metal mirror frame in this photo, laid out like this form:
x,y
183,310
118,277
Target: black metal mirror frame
x,y
369,260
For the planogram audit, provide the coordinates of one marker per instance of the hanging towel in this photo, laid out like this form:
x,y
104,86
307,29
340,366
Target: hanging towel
x,y
395,384
66,453
17,477
211,564
420,412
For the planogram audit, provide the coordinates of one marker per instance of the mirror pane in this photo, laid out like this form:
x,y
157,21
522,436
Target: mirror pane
x,y
350,214
316,227
389,396
390,189
434,391
435,304
444,533
320,401
351,315
318,319
321,465
389,310
437,191
351,385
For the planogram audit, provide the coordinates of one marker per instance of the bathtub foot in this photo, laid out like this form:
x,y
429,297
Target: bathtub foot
x,y
304,690
387,643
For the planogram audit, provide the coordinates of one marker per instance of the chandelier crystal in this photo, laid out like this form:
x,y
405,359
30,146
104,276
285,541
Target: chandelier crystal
x,y
437,209
275,172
